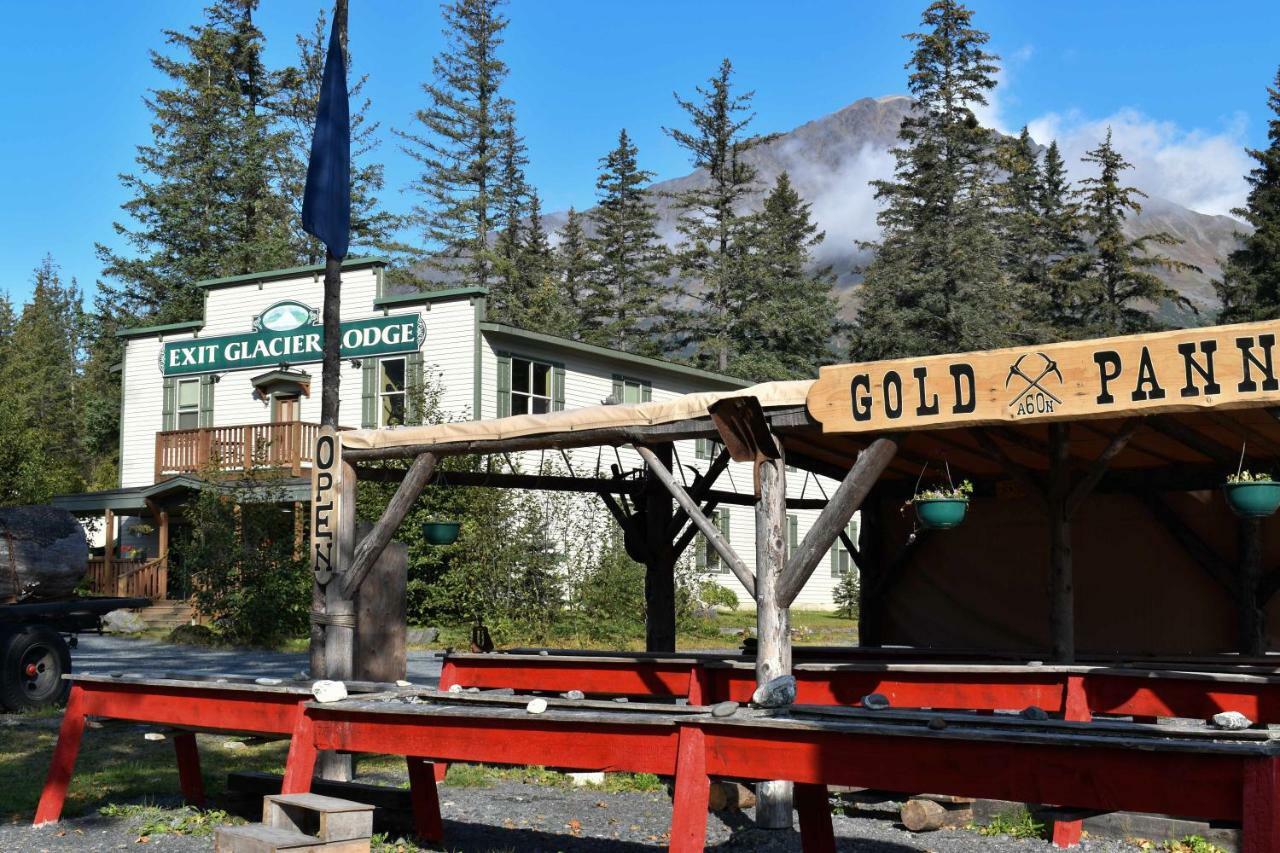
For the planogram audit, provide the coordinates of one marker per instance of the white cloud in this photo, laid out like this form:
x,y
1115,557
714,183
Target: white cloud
x,y
1200,169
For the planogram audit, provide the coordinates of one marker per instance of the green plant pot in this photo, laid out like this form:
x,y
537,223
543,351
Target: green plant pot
x,y
940,513
1253,500
440,532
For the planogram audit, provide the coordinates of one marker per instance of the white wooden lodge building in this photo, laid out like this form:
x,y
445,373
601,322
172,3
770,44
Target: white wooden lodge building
x,y
242,386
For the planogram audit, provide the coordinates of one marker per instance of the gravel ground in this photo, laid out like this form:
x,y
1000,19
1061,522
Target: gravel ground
x,y
532,818
152,657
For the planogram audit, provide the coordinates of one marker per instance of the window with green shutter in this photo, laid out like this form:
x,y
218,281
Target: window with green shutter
x,y
629,391
504,384
841,560
414,388
793,534
207,386
170,403
706,557
532,387
369,393
706,448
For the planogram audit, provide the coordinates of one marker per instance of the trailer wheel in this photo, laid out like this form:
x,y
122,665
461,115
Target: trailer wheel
x,y
33,660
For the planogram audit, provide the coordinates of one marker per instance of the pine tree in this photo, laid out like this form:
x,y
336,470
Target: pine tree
x,y
574,262
715,236
786,332
205,198
1250,285
627,282
39,385
545,304
1118,268
295,105
936,284
460,144
7,321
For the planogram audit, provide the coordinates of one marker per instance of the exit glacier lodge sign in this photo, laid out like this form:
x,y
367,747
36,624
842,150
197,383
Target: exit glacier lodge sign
x,y
290,333
1227,367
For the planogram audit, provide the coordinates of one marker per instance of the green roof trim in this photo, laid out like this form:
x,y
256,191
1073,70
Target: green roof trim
x,y
290,489
397,299
289,272
148,331
504,330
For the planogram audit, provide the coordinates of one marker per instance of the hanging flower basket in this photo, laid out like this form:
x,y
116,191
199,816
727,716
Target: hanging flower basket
x,y
1252,495
942,508
940,513
440,532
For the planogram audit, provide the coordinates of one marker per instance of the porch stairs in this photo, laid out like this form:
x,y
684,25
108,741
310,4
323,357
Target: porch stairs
x,y
167,614
302,822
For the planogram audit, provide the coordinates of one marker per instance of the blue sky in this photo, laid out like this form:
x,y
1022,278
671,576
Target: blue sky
x,y
1184,82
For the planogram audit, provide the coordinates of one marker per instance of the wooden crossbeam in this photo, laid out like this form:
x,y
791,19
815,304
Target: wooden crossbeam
x,y
1085,486
840,508
1028,480
698,491
1205,557
709,530
1192,439
372,545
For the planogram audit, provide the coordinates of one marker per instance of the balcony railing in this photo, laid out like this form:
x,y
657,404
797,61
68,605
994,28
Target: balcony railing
x,y
130,578
282,444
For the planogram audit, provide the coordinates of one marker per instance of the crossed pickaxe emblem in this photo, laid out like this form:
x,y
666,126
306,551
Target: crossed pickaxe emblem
x,y
1050,366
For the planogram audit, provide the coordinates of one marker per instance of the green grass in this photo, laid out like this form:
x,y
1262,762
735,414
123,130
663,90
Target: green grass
x,y
149,820
115,767
1015,823
486,776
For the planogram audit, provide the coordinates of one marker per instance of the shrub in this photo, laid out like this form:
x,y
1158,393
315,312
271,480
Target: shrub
x,y
848,594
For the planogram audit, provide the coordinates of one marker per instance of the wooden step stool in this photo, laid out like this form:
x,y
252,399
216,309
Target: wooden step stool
x,y
301,823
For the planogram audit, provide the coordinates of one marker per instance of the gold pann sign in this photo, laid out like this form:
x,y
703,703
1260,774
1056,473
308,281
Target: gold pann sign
x,y
1215,367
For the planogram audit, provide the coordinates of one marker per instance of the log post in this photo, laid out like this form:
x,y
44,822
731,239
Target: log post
x,y
660,562
869,567
1061,580
109,544
1252,623
773,617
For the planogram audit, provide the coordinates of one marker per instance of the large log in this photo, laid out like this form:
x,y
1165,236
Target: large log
x,y
43,553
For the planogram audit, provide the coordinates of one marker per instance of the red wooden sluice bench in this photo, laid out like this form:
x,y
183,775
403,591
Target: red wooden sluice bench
x,y
191,704
1076,692
1200,773
1195,773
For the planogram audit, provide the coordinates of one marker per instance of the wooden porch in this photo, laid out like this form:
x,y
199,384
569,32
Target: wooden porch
x,y
145,578
277,444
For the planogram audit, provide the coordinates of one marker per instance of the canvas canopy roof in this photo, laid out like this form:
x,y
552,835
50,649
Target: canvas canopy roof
x,y
1186,402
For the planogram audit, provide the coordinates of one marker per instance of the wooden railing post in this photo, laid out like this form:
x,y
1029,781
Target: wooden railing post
x,y
295,447
203,450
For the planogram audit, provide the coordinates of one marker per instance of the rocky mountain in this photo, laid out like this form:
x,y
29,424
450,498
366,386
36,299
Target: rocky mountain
x,y
831,159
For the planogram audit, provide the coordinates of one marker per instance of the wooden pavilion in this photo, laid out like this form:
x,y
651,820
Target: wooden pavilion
x,y
1096,467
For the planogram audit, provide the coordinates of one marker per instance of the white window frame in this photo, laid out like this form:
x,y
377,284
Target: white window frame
x,y
384,395
180,408
528,396
639,385
843,559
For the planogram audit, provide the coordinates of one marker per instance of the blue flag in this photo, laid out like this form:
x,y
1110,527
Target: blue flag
x,y
326,202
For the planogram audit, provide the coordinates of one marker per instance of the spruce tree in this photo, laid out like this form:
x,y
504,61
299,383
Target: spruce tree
x,y
205,197
458,143
787,331
936,283
1250,285
544,304
574,262
509,293
1118,278
1064,293
713,252
39,381
372,227
628,280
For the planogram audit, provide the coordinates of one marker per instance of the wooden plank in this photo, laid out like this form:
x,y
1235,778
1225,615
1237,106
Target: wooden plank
x,y
370,548
1099,466
840,508
709,530
660,562
1222,367
381,617
1062,629
1251,620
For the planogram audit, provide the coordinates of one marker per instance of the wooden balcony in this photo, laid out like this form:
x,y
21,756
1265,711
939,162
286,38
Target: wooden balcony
x,y
130,578
282,444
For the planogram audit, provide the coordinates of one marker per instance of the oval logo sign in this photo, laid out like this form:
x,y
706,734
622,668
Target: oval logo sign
x,y
286,316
